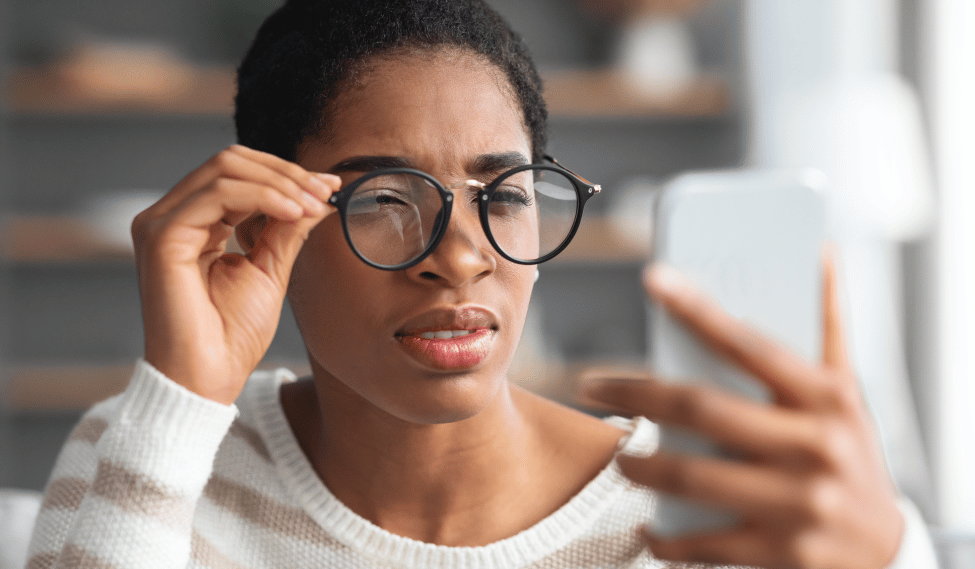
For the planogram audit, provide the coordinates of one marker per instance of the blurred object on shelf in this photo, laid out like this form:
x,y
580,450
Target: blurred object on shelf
x,y
63,387
604,93
109,216
655,51
597,242
657,57
114,70
54,239
630,8
76,386
631,212
103,74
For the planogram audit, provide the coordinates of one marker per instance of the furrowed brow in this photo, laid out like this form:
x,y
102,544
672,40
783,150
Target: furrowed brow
x,y
370,163
497,163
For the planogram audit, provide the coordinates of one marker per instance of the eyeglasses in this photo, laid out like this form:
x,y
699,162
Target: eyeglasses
x,y
394,217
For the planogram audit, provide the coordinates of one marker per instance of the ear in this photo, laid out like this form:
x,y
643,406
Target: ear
x,y
249,230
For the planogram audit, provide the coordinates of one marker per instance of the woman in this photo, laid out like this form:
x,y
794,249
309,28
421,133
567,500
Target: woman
x,y
370,132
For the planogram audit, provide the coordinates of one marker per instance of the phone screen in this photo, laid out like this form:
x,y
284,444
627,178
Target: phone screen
x,y
752,241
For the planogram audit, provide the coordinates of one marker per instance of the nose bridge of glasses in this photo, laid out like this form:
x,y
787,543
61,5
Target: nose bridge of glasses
x,y
466,217
469,183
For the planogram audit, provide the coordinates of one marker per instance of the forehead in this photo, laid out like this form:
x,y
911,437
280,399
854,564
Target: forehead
x,y
436,108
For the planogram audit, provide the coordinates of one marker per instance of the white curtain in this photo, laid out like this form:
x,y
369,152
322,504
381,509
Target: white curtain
x,y
824,92
949,38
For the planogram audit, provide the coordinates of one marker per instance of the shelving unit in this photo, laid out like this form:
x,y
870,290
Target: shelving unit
x,y
577,94
65,239
45,91
42,245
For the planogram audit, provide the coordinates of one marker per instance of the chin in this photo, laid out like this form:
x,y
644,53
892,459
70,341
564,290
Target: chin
x,y
451,401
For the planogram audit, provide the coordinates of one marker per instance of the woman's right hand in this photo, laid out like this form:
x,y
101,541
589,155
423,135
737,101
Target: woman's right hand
x,y
209,315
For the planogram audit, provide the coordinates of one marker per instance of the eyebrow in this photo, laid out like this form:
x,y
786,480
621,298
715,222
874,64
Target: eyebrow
x,y
497,163
483,164
370,163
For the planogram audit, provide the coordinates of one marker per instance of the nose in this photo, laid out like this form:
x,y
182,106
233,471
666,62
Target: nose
x,y
463,255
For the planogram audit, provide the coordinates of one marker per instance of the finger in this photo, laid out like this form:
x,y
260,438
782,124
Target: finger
x,y
750,547
793,380
834,345
321,185
231,201
751,491
245,164
754,429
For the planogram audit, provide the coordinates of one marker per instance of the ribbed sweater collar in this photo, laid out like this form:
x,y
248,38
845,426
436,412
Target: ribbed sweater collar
x,y
556,531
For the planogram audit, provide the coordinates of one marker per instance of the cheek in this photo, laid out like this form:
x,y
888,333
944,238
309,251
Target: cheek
x,y
519,281
331,291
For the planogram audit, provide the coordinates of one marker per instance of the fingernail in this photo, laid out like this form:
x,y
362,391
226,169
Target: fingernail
x,y
664,279
330,180
321,185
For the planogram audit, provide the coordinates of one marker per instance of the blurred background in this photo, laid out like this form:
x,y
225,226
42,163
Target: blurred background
x,y
105,105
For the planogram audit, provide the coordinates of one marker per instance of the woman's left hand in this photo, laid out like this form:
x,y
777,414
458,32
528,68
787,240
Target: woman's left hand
x,y
812,491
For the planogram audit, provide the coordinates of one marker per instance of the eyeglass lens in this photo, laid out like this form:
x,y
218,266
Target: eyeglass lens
x,y
393,218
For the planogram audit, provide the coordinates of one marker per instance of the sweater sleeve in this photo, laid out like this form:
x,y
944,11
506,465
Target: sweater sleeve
x,y
916,549
126,483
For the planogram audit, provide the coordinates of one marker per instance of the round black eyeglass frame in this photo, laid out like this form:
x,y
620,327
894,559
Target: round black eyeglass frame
x,y
584,191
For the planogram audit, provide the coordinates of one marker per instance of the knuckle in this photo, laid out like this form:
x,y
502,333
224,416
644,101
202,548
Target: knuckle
x,y
287,185
138,227
224,159
295,172
223,187
821,500
270,195
836,443
842,394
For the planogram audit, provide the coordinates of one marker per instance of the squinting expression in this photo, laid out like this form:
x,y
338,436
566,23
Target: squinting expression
x,y
432,343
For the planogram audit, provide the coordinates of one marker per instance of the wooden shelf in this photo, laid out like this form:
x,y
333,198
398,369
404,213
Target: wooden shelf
x,y
582,94
598,243
76,387
63,387
47,91
55,239
37,239
604,94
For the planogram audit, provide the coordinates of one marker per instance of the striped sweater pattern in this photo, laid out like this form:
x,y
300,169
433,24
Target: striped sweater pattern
x,y
159,477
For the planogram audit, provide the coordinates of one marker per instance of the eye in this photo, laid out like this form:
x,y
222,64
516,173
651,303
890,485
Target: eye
x,y
375,200
511,196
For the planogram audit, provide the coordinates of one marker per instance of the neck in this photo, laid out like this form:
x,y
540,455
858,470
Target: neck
x,y
469,482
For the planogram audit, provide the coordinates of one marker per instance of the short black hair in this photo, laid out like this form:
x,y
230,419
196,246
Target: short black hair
x,y
306,50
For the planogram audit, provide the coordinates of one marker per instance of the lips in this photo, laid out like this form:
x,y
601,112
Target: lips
x,y
449,339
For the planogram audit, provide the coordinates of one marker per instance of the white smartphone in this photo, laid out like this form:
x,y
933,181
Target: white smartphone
x,y
752,240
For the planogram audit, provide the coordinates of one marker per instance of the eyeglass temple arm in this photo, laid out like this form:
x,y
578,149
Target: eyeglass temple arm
x,y
596,187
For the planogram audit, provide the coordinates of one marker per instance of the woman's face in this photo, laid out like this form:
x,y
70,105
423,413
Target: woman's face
x,y
452,115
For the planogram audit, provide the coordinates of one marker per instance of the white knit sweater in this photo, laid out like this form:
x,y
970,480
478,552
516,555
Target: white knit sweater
x,y
159,477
